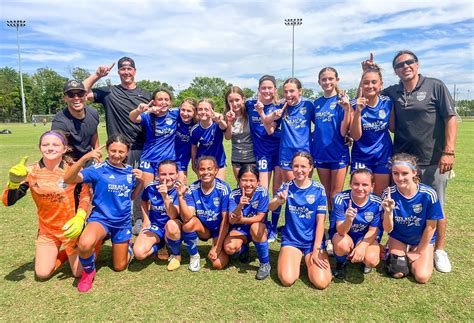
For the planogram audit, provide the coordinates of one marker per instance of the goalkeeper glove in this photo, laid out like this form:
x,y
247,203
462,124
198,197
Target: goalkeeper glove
x,y
73,228
17,174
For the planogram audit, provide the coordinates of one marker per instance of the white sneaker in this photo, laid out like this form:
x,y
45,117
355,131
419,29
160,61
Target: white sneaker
x,y
195,263
329,248
441,261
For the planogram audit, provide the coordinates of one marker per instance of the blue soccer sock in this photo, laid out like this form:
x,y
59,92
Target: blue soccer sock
x,y
175,246
190,241
88,264
154,249
262,251
275,218
341,259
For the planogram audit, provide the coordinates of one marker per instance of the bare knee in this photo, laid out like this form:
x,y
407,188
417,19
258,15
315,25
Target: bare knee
x,y
43,273
423,277
86,244
172,229
320,283
139,252
285,279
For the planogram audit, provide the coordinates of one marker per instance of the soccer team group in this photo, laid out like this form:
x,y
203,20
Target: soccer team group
x,y
84,198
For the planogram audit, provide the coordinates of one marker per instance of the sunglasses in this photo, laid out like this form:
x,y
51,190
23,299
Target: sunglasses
x,y
73,94
402,64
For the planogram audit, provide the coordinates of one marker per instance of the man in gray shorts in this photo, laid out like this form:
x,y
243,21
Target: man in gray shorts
x,y
425,126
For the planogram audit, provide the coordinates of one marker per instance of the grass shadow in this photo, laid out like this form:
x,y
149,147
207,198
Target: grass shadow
x,y
18,274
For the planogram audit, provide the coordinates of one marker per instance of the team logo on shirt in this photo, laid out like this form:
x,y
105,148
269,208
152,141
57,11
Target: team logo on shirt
x,y
332,106
169,121
382,114
216,201
420,96
129,178
417,208
255,204
310,198
303,110
368,216
318,107
61,184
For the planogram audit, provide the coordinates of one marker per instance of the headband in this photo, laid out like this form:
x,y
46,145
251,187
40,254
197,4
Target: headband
x,y
53,133
404,163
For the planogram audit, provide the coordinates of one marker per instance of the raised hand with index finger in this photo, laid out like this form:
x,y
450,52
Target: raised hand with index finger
x,y
104,70
351,212
361,101
388,204
368,63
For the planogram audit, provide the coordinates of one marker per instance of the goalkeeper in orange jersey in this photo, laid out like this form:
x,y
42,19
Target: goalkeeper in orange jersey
x,y
59,223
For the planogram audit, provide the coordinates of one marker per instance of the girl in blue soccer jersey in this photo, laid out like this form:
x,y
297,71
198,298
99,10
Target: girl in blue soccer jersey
x,y
265,146
411,211
161,216
207,136
303,232
238,129
370,129
332,118
357,214
159,122
294,117
204,211
186,120
115,185
248,206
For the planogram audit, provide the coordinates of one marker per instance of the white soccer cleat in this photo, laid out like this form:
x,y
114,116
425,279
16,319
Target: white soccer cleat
x,y
195,263
441,261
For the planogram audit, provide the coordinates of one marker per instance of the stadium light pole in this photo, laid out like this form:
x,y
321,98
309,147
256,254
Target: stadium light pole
x,y
293,22
17,24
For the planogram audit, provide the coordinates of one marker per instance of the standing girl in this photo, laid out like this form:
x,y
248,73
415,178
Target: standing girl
x,y
265,146
357,214
248,206
55,202
115,185
303,232
159,122
161,216
207,136
411,211
186,120
370,129
294,117
238,129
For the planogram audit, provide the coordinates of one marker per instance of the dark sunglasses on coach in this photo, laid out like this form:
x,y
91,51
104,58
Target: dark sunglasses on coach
x,y
73,94
402,64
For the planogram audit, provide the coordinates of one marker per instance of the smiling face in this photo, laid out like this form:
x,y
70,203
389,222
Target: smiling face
x,y
361,185
292,93
204,111
403,176
235,102
301,167
75,100
187,112
52,148
407,72
168,174
161,103
248,183
328,81
127,75
117,153
207,171
267,92
371,84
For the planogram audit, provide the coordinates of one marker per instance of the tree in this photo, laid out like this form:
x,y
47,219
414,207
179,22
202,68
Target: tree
x,y
308,93
248,93
207,87
151,86
10,99
47,91
79,73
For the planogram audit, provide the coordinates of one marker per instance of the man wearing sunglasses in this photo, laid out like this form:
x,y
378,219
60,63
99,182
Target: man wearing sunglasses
x,y
118,101
78,121
425,126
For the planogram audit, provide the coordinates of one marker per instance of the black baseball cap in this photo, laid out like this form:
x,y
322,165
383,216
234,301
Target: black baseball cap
x,y
73,85
125,61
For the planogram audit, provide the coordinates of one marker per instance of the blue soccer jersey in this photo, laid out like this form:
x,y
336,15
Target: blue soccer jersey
x,y
183,143
296,129
157,213
367,215
263,143
113,188
375,145
160,135
328,145
258,202
209,207
301,210
209,142
410,214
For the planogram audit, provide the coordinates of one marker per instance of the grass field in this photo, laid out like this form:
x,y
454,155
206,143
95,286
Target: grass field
x,y
148,292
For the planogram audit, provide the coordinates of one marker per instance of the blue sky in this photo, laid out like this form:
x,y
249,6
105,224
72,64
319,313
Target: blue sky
x,y
174,41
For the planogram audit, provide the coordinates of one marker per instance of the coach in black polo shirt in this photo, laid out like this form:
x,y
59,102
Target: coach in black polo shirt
x,y
118,101
425,126
78,121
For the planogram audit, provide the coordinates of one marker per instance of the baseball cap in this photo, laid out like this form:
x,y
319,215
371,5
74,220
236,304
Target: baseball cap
x,y
73,85
124,61
270,78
